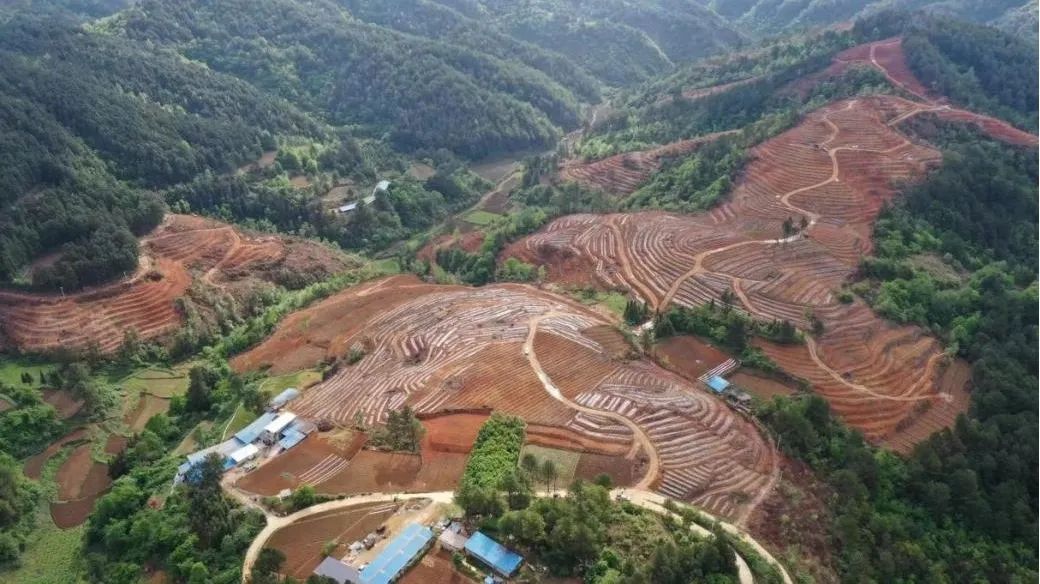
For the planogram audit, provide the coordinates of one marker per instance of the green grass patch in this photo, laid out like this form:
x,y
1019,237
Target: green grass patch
x,y
385,267
239,420
299,380
190,444
613,301
11,371
50,552
481,218
566,461
158,381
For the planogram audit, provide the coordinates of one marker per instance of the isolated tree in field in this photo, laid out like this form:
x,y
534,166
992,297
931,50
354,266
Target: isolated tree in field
x,y
529,463
804,223
788,227
403,431
635,312
549,474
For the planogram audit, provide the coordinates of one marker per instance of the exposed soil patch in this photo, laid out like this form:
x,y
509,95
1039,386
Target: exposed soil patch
x,y
302,541
452,432
81,481
314,458
622,471
689,356
764,388
34,464
64,404
435,567
183,250
796,518
374,472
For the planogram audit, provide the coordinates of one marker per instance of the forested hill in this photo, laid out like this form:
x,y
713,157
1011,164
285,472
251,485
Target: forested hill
x,y
769,16
619,41
421,93
87,121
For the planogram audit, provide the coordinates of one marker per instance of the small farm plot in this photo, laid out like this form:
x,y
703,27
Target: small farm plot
x,y
303,541
64,404
148,405
312,461
764,388
565,461
622,471
371,471
81,480
689,356
160,382
481,218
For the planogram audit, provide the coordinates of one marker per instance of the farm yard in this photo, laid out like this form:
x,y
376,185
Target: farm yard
x,y
183,251
303,541
443,349
760,386
832,174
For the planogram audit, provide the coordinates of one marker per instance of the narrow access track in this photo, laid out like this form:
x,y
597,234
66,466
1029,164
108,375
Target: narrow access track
x,y
639,497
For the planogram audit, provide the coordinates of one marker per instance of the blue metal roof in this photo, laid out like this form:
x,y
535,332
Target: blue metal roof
x,y
717,384
493,554
285,397
332,568
250,433
291,438
398,554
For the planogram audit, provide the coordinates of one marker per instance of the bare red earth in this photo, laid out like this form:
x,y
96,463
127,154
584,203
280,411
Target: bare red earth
x,y
446,349
183,250
833,172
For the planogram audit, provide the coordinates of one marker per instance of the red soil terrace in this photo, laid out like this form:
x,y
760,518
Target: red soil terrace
x,y
834,172
446,349
182,251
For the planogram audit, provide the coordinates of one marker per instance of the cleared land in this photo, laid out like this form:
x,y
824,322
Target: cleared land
x,y
689,356
833,172
182,252
446,349
760,386
303,540
81,480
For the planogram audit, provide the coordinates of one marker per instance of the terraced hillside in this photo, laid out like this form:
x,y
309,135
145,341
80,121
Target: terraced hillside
x,y
831,175
184,252
528,353
622,174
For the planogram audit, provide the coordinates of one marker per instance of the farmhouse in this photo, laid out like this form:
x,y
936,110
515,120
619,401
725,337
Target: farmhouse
x,y
493,554
717,384
400,553
453,539
274,429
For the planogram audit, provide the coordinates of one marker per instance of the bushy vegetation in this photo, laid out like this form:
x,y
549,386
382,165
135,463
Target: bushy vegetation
x,y
402,432
492,461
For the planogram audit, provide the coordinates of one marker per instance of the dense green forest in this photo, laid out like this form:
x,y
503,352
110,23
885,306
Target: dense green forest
x,y
619,41
975,66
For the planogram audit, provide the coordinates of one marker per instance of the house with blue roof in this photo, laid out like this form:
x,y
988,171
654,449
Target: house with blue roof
x,y
717,384
493,554
399,554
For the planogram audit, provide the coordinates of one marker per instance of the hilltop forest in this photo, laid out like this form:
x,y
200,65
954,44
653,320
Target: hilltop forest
x,y
193,174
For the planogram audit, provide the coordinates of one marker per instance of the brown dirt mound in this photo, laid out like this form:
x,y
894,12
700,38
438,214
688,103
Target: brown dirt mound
x,y
182,250
302,541
689,356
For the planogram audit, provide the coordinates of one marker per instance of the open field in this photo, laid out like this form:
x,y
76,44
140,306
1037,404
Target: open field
x,y
449,349
147,406
160,382
65,406
565,461
689,356
481,218
80,482
760,386
834,171
302,541
312,461
182,252
11,371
